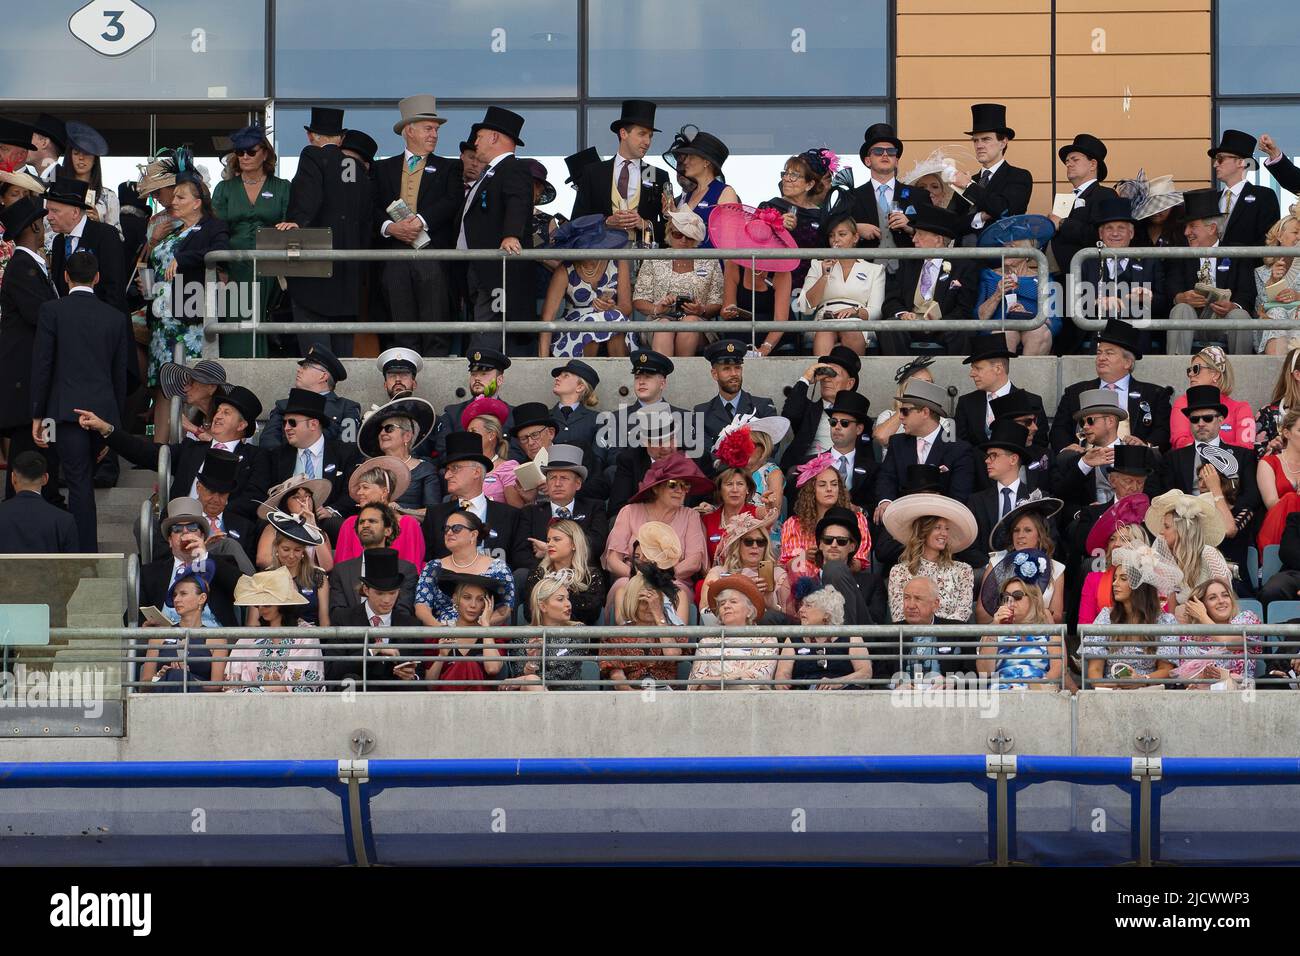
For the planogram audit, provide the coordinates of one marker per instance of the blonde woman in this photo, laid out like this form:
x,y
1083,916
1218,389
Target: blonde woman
x,y
745,548
486,417
933,528
630,661
1285,398
524,667
293,539
1277,290
1191,529
1014,661
569,553
1214,603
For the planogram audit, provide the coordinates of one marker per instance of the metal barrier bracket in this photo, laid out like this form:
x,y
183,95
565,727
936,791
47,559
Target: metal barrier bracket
x,y
1146,768
1000,765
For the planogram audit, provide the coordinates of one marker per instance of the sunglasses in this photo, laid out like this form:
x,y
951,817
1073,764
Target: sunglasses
x,y
1196,369
185,528
250,151
884,150
753,542
1011,597
1094,420
677,484
295,422
906,410
835,539
842,422
455,529
1202,419
391,427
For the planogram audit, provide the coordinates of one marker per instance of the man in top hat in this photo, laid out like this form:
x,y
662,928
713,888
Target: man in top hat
x,y
1145,404
1082,471
656,431
565,478
50,137
400,368
381,580
851,452
216,481
15,143
28,523
1203,225
1035,469
934,288
330,191
464,468
576,421
1250,210
308,450
1184,468
65,208
376,527
579,161
1085,169
321,372
360,146
1130,474
79,366
999,189
922,441
990,371
627,190
27,286
534,430
727,367
498,214
810,399
1132,287
1004,453
880,205
487,376
187,533
1279,166
430,186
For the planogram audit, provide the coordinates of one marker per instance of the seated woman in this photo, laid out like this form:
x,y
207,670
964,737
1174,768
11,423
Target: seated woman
x,y
1219,481
1142,576
823,662
487,417
295,496
461,532
568,551
1014,661
736,602
819,489
1210,366
525,668
889,422
1190,527
1119,526
596,293
631,661
177,664
474,660
933,528
274,664
843,289
679,292
742,455
1277,291
733,489
1215,603
1284,398
746,549
1012,291
293,537
381,481
1021,528
661,498
1278,473
399,429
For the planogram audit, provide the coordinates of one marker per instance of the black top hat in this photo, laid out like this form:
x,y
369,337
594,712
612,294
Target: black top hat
x,y
303,402
580,369
71,192
380,569
653,362
1118,332
988,345
1132,460
842,517
1091,147
1112,209
635,113
361,143
1200,397
52,127
1009,436
989,118
244,402
465,446
14,133
879,133
500,120
219,470
1015,404
845,358
488,358
936,219
529,414
17,217
1237,143
922,478
319,355
851,402
325,121
726,352
1198,204
449,580
693,141
465,146
580,161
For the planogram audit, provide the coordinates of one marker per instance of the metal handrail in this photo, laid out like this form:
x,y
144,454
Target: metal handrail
x,y
164,477
144,528
178,356
1076,283
213,328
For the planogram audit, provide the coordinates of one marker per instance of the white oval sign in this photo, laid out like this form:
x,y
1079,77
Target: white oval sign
x,y
112,27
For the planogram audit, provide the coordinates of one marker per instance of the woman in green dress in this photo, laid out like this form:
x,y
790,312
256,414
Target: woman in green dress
x,y
250,197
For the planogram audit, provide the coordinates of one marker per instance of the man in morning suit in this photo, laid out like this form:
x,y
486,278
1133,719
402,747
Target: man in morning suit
x,y
1085,169
28,523
935,288
626,190
1279,166
872,204
809,400
999,189
306,450
923,442
382,579
851,452
189,544
990,370
465,466
1003,452
1251,209
1133,287
565,474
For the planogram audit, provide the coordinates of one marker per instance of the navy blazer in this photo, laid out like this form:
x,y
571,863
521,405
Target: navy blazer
x,y
953,456
31,525
252,476
1148,412
106,244
209,235
716,419
80,360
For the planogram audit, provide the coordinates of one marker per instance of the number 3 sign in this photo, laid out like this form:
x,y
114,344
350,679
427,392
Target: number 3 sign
x,y
112,27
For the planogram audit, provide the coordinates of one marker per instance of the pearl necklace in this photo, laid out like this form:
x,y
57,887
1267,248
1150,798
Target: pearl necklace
x,y
451,559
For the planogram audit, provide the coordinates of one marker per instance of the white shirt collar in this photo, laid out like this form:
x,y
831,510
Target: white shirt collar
x,y
846,455
1236,190
1079,190
318,448
996,166
40,260
1215,441
891,184
497,160
407,154
1004,390
231,445
478,505
82,288
385,620
933,435
79,228
1120,384
1014,486
572,506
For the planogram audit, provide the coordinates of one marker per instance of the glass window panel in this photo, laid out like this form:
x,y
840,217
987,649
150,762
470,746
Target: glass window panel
x,y
758,48
760,138
1280,121
198,51
387,49
1257,45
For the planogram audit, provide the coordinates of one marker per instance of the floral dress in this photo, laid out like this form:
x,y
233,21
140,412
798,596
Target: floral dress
x,y
579,297
1166,646
1194,654
274,659
744,659
166,331
436,600
955,583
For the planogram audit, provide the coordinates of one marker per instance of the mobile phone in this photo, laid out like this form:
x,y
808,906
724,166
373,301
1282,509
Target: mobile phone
x,y
767,571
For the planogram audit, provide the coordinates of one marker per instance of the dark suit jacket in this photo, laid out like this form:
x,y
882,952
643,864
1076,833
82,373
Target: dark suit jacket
x,y
347,575
955,291
331,190
580,430
505,538
24,290
1253,214
804,409
864,209
376,668
862,486
716,418
1237,275
1175,471
1076,489
440,197
106,244
343,413
1148,411
630,466
502,207
339,461
986,506
972,411
590,514
251,477
1285,172
80,360
957,479
1135,272
885,664
595,186
1077,230
1007,194
210,235
31,525
156,578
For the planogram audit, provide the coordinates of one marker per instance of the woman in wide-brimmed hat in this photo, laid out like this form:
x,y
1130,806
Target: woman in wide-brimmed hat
x,y
932,528
382,481
698,158
1153,204
1022,528
819,488
401,428
197,387
736,601
762,291
1192,528
296,495
595,293
679,290
295,541
274,664
661,496
1011,292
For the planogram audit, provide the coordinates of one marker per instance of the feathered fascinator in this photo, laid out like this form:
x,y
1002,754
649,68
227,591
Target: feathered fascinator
x,y
821,160
811,469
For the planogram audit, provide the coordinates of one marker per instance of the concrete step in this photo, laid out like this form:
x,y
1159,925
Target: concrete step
x,y
107,499
136,478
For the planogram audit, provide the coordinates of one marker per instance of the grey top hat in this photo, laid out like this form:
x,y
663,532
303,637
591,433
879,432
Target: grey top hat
x,y
926,393
421,106
566,458
1100,401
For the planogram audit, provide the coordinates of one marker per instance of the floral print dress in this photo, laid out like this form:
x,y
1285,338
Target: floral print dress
x,y
274,659
436,600
165,330
580,297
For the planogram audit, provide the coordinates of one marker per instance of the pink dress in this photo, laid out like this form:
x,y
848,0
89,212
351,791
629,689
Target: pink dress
x,y
501,477
1237,429
257,659
687,524
409,544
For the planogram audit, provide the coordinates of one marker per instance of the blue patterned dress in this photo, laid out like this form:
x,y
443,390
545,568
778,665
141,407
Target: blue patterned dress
x,y
580,296
1021,659
431,596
